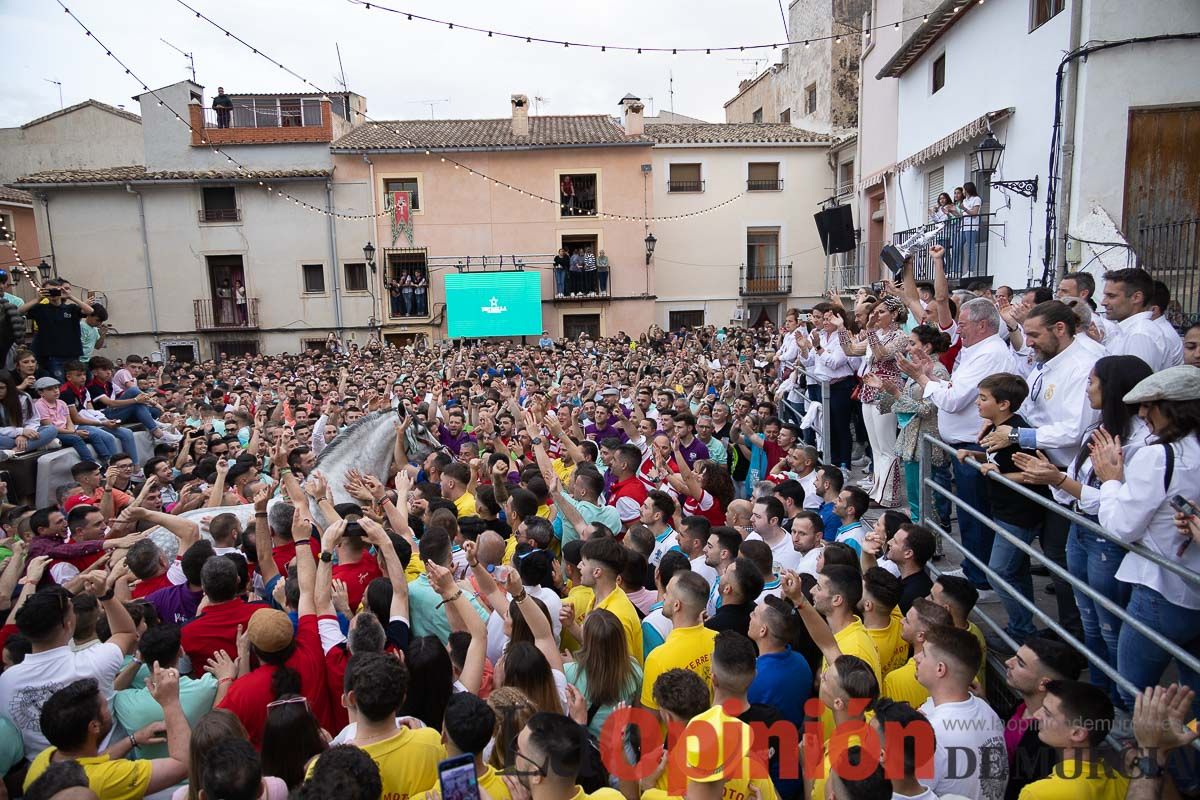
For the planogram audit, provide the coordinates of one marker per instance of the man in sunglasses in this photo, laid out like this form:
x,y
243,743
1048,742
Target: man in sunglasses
x,y
547,759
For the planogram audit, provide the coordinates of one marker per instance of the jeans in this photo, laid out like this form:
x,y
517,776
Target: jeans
x,y
53,366
396,304
1012,565
560,282
408,302
419,302
976,537
78,443
941,476
969,256
603,275
1094,561
1055,529
135,412
1142,661
46,435
103,442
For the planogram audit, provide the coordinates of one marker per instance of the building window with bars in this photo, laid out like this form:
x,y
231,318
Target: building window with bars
x,y
685,178
763,176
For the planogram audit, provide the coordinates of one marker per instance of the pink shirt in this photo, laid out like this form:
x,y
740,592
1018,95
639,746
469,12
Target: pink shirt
x,y
57,413
121,381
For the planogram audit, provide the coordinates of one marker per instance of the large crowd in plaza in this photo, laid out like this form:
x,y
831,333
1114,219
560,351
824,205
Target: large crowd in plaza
x,y
623,567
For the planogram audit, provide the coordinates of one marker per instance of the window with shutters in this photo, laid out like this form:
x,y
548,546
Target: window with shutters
x,y
939,73
314,278
1042,11
757,116
785,116
763,176
685,178
810,99
935,184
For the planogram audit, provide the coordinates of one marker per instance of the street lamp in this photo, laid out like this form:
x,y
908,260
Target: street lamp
x,y
650,242
987,154
369,255
44,270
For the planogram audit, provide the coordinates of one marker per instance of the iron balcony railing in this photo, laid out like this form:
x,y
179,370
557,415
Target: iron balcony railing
x,y
1170,252
853,269
685,186
225,314
761,185
966,243
765,279
220,215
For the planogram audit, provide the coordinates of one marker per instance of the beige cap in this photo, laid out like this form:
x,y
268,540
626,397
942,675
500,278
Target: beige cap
x,y
270,630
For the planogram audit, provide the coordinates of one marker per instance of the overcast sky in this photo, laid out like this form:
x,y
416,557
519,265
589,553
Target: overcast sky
x,y
393,62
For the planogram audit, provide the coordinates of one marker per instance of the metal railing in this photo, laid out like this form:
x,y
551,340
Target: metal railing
x,y
1170,252
223,314
853,269
220,214
764,185
966,243
929,487
763,279
685,186
825,445
266,113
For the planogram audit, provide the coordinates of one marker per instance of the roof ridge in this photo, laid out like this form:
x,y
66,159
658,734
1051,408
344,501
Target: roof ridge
x,y
120,112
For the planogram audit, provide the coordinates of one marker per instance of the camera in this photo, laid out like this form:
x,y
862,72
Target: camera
x,y
54,292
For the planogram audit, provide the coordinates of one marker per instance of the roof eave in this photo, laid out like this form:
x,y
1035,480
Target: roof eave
x,y
33,187
694,145
483,149
924,37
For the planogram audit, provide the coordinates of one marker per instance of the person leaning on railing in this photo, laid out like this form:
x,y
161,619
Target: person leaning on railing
x,y
1135,505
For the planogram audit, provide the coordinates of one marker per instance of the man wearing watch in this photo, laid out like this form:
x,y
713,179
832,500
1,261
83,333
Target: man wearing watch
x,y
1160,725
1075,718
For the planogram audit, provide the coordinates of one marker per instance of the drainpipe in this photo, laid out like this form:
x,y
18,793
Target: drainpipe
x,y
1063,213
333,251
146,257
371,230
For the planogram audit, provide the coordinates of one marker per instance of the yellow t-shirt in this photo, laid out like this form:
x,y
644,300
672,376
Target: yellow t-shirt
x,y
510,549
581,599
465,505
852,640
490,781
618,603
901,685
818,784
744,769
564,471
892,649
408,762
599,794
980,676
685,648
1085,781
415,568
109,778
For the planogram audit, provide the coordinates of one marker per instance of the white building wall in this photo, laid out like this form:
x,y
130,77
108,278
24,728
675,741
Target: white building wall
x,y
696,260
993,61
84,139
1115,81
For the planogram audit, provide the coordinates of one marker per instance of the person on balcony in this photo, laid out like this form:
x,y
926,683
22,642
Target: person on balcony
x,y
420,287
602,272
945,212
226,315
240,302
223,105
395,296
589,272
562,262
408,294
971,206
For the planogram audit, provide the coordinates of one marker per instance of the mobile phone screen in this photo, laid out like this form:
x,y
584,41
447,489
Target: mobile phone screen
x,y
456,776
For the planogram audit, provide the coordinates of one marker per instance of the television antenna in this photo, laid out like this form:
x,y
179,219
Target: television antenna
x,y
750,72
537,103
430,103
341,79
188,56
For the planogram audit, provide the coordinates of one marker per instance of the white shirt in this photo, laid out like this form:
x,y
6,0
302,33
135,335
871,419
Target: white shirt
x,y
1137,511
25,688
704,570
812,501
789,351
831,364
1172,340
783,554
958,419
1141,337
1089,495
971,223
662,545
1058,405
808,561
969,725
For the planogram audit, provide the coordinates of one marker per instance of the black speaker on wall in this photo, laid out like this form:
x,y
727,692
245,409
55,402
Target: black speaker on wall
x,y
836,228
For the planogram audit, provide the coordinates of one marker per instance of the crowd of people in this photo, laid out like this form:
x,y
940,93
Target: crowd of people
x,y
621,567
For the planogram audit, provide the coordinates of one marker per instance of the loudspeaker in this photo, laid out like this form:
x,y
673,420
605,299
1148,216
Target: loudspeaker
x,y
836,228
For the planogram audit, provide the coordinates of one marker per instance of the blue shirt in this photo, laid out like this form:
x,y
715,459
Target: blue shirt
x,y
832,521
783,681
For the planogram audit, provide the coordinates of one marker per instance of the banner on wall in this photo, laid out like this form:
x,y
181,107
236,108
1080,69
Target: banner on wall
x,y
400,212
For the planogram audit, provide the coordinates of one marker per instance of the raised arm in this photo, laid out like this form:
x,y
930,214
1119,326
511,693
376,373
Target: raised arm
x,y
323,592
488,588
539,623
262,536
941,286
816,625
460,610
306,570
185,530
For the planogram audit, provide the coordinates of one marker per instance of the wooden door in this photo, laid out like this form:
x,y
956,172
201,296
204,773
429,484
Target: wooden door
x,y
1162,167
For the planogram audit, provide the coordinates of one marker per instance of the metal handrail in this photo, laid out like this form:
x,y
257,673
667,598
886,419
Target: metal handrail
x,y
827,455
1050,505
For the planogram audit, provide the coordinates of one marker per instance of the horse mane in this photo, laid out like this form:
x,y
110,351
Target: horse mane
x,y
339,442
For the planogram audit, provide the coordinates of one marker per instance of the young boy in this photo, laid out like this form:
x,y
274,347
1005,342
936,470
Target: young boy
x,y
52,411
1000,396
84,413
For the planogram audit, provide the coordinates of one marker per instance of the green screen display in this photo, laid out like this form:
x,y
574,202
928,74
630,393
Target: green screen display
x,y
494,304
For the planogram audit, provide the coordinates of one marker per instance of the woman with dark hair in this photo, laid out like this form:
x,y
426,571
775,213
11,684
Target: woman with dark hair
x,y
916,417
20,431
602,671
431,680
972,205
705,490
210,730
291,737
1092,558
535,667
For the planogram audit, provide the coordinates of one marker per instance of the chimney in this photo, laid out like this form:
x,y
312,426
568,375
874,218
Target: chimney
x,y
520,115
634,123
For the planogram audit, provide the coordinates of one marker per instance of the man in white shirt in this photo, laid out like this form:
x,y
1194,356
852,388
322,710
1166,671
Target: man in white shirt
x,y
1171,338
983,353
693,536
969,756
826,361
658,509
1083,286
47,619
807,540
1128,294
765,519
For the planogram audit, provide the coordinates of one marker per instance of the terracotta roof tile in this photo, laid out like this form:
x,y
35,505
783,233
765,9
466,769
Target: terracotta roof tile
x,y
138,174
462,134
733,133
14,195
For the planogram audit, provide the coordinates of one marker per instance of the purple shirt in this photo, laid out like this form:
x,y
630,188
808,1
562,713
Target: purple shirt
x,y
694,452
454,442
608,431
176,605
